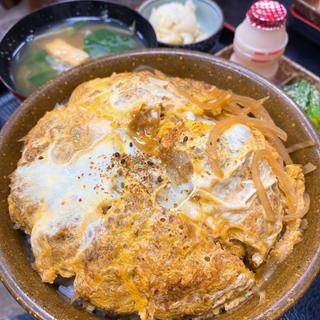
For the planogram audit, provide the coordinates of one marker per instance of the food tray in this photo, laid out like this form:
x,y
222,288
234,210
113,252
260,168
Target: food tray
x,y
304,26
289,71
309,9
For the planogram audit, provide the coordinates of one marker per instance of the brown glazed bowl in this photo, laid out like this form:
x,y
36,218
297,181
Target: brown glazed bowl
x,y
292,277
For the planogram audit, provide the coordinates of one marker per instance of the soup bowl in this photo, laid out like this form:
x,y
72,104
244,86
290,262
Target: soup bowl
x,y
291,278
24,30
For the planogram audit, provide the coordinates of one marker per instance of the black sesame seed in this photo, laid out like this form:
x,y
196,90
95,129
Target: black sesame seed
x,y
159,179
117,154
105,209
40,158
131,144
122,161
185,139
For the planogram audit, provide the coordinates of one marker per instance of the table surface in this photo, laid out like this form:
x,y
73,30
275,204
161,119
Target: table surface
x,y
299,49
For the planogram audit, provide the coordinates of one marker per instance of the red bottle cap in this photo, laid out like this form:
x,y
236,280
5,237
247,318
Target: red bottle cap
x,y
267,15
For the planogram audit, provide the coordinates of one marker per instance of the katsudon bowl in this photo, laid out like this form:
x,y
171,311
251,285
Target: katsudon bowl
x,y
287,283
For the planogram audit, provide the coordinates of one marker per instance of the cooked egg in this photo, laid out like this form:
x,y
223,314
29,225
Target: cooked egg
x,y
118,190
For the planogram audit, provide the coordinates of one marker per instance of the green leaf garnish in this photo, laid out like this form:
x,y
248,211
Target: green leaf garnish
x,y
38,55
102,42
41,77
307,96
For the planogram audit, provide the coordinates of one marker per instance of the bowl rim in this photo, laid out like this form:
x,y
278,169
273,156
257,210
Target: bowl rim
x,y
275,310
21,20
211,3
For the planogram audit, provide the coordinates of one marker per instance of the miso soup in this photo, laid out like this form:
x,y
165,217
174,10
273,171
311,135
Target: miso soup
x,y
66,45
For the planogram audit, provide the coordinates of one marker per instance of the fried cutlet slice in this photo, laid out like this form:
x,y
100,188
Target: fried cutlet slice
x,y
158,264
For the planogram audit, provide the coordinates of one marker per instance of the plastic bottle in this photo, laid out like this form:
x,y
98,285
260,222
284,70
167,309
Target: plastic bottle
x,y
261,38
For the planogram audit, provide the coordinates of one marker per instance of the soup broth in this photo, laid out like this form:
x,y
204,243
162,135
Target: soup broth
x,y
69,44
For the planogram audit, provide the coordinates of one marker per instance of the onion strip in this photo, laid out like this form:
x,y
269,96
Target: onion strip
x,y
257,109
281,149
235,109
262,194
284,183
301,145
255,106
308,168
220,127
212,104
300,214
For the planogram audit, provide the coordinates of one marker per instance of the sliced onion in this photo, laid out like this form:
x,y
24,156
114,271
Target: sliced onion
x,y
255,106
261,294
301,145
300,214
257,109
281,149
220,127
213,104
262,194
309,167
218,102
234,109
284,183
